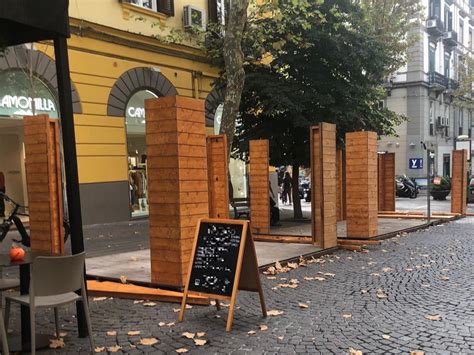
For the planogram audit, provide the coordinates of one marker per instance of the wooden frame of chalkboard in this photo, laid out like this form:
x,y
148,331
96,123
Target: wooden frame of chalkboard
x,y
223,261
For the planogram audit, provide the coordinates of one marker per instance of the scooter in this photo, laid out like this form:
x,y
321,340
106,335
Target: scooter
x,y
406,187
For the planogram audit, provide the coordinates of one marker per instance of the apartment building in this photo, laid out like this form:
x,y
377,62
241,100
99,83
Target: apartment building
x,y
118,58
422,91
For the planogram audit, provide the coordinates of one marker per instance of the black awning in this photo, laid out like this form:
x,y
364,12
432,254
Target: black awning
x,y
23,21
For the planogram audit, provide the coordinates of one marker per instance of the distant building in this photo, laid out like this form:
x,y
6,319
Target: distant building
x,y
422,90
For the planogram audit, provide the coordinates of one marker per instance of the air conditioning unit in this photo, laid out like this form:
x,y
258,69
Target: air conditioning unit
x,y
192,17
431,23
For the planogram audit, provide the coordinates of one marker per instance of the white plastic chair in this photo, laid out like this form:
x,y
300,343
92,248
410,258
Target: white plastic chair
x,y
53,283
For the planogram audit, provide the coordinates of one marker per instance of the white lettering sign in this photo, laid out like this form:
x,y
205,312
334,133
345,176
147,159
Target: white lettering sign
x,y
26,103
136,112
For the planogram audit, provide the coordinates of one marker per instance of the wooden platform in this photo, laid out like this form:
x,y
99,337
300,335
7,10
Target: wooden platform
x,y
119,290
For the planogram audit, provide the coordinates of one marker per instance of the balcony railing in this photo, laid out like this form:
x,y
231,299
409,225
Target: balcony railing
x,y
438,81
450,39
453,84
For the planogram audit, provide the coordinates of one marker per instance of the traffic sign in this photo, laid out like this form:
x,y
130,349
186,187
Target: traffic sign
x,y
415,163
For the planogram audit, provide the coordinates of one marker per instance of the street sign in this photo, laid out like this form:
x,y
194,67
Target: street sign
x,y
415,163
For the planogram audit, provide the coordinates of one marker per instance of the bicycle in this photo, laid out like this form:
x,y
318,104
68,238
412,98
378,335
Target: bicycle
x,y
14,218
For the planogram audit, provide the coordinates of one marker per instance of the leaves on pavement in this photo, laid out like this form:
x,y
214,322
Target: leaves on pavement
x,y
56,343
274,313
433,317
200,342
149,341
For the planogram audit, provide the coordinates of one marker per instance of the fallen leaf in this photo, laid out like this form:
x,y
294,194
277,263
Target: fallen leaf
x,y
217,316
433,317
188,306
307,278
96,299
138,301
149,304
263,327
417,352
114,349
354,352
252,332
62,334
200,342
278,265
363,291
384,251
376,274
200,334
133,332
111,333
444,278
171,324
148,341
303,305
271,277
162,324
56,343
293,265
425,285
270,271
381,294
347,315
317,278
99,349
274,313
387,269
176,310
408,269
181,350
189,335
123,279
329,274
280,338
386,336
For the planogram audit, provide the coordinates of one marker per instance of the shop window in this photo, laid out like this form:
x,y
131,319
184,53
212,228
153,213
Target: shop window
x,y
137,155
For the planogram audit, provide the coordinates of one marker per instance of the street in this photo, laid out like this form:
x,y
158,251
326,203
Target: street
x,y
413,292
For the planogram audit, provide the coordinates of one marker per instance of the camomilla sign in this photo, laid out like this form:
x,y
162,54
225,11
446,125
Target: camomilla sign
x,y
23,103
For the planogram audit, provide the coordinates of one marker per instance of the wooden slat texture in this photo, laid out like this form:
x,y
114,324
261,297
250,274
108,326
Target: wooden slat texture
x,y
324,185
259,187
218,170
177,183
386,182
341,185
361,184
44,185
459,182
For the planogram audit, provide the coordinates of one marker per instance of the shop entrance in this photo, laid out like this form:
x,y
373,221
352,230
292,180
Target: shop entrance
x,y
12,160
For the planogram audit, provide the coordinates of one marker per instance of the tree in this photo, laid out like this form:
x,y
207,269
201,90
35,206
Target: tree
x,y
324,67
463,95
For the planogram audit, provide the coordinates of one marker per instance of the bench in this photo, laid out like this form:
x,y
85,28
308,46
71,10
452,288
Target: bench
x,y
241,206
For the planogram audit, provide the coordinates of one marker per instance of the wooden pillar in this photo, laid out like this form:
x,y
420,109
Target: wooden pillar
x,y
259,187
459,182
386,181
323,185
177,183
361,184
341,186
43,179
218,172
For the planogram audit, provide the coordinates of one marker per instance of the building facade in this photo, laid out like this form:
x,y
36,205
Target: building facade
x,y
118,58
422,91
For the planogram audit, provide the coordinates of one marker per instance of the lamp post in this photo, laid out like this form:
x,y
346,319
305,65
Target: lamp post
x,y
428,168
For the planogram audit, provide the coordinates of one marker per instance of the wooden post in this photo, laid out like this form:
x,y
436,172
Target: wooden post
x,y
323,185
386,181
341,186
218,171
43,178
459,182
259,187
177,183
361,184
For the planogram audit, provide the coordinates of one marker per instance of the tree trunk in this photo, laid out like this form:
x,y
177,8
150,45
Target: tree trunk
x,y
234,61
297,212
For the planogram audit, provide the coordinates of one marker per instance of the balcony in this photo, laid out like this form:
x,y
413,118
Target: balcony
x,y
453,84
438,82
450,39
434,27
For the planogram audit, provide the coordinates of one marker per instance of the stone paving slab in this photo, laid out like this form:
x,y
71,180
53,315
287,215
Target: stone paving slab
x,y
135,265
426,273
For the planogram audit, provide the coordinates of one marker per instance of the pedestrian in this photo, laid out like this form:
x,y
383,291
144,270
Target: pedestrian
x,y
287,188
2,189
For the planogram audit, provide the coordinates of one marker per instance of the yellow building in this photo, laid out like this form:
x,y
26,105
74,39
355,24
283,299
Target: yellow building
x,y
116,62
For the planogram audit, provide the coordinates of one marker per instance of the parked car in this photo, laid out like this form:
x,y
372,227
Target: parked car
x,y
406,187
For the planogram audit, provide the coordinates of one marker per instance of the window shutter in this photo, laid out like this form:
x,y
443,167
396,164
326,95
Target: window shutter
x,y
165,6
212,10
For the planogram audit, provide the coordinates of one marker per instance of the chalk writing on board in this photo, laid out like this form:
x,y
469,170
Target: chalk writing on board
x,y
215,259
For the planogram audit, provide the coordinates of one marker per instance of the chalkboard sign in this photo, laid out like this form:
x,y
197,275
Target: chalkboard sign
x,y
215,258
223,260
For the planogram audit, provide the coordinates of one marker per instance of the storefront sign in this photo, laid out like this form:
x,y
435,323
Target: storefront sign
x,y
136,112
27,103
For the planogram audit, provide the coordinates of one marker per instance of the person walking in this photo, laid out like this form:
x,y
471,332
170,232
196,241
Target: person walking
x,y
287,187
2,189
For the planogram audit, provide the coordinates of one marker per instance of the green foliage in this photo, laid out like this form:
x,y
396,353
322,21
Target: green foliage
x,y
327,65
444,185
463,95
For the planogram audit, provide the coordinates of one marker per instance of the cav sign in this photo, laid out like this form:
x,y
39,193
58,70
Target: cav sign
x,y
415,163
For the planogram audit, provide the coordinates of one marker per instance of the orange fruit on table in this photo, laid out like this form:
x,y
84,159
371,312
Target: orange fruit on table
x,y
17,253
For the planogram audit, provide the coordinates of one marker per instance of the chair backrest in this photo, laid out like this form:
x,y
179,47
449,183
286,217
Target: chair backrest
x,y
53,275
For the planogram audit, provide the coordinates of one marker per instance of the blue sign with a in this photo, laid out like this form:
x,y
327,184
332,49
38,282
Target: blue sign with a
x,y
415,163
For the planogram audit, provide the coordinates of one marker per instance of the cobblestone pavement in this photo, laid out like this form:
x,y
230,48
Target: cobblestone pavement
x,y
375,302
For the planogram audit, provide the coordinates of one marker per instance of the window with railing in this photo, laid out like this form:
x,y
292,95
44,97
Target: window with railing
x,y
448,19
461,32
163,6
435,8
460,122
432,58
432,118
217,11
